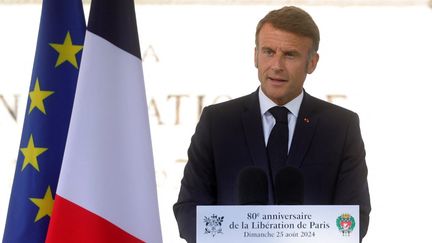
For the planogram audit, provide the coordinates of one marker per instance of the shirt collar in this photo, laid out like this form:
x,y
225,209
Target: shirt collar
x,y
266,103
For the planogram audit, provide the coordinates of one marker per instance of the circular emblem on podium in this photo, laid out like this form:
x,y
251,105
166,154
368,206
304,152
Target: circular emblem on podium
x,y
345,224
213,225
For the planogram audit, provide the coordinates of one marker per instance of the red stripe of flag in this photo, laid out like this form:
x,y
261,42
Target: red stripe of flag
x,y
77,224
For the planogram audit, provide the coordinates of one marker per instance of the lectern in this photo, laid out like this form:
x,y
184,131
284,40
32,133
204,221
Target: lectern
x,y
278,224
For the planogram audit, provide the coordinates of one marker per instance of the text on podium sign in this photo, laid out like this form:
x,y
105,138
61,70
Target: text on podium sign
x,y
253,224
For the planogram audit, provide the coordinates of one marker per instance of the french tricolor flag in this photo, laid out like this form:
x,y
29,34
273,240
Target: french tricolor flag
x,y
107,186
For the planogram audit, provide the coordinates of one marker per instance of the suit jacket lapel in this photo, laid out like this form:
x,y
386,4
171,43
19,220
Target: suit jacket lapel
x,y
304,131
253,130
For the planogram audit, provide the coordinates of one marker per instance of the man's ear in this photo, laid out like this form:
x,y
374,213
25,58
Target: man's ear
x,y
256,57
313,61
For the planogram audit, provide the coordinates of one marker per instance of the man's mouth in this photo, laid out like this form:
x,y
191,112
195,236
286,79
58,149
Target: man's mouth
x,y
274,79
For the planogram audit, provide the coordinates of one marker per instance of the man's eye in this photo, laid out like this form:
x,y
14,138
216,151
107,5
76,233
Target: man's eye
x,y
268,52
290,54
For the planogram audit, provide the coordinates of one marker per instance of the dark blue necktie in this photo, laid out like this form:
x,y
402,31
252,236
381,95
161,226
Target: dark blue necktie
x,y
277,145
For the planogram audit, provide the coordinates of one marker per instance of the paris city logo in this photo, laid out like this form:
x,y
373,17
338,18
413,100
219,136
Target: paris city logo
x,y
213,225
345,224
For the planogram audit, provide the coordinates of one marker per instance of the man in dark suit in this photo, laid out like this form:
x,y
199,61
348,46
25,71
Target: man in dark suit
x,y
324,140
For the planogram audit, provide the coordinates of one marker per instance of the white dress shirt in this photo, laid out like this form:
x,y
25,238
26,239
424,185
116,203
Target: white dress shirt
x,y
268,120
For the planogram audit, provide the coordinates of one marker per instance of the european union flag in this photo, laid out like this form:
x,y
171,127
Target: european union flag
x,y
52,89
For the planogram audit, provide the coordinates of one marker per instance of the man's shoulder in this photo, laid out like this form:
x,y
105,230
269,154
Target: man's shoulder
x,y
325,108
236,104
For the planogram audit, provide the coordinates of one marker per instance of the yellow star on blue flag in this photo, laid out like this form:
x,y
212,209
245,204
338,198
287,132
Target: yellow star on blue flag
x,y
44,204
31,154
37,97
67,51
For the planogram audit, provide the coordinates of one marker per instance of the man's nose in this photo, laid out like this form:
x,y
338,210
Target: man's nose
x,y
277,62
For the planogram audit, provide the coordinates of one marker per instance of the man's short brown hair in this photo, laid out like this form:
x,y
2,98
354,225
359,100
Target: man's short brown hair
x,y
291,19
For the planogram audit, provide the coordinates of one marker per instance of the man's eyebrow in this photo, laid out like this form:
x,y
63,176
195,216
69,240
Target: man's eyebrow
x,y
266,48
291,51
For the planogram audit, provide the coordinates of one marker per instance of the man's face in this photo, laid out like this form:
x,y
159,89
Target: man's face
x,y
283,61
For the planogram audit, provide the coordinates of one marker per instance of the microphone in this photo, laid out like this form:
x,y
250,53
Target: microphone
x,y
253,186
289,186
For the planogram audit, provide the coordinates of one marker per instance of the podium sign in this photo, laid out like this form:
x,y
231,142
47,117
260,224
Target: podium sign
x,y
277,224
